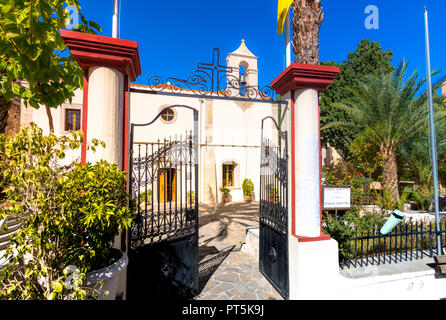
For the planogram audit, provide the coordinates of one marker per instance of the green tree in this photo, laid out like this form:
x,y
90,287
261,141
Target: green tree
x,y
31,49
387,109
368,58
69,213
416,157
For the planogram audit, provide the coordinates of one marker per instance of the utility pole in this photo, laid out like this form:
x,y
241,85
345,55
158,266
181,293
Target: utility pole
x,y
432,134
115,18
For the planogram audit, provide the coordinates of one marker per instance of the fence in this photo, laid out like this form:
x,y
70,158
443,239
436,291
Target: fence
x,y
406,242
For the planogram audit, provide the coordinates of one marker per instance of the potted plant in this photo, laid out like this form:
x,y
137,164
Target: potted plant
x,y
271,193
190,197
69,215
145,196
226,197
248,189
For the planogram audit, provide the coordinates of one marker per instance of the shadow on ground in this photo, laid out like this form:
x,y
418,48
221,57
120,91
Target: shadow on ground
x,y
222,229
207,266
227,222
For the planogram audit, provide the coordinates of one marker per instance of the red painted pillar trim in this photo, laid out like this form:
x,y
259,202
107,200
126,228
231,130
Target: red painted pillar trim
x,y
84,118
125,127
293,167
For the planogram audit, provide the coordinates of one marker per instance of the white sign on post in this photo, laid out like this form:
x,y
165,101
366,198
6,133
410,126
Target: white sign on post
x,y
336,198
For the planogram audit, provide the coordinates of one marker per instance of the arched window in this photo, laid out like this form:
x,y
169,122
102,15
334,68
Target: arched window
x,y
242,77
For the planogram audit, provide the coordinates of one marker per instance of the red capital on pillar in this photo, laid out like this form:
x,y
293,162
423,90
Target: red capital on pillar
x,y
299,76
91,50
304,76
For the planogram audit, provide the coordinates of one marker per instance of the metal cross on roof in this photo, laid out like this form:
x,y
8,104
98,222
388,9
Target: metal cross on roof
x,y
216,68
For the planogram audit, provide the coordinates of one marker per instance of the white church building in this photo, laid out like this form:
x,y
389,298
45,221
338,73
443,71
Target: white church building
x,y
230,105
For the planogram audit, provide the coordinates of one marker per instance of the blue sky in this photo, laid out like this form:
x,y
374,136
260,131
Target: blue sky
x,y
175,35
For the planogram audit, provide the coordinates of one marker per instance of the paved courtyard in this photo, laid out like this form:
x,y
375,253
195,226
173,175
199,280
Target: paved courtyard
x,y
226,273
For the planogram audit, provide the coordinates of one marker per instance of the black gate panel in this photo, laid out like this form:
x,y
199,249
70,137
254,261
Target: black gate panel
x,y
163,239
167,269
273,252
273,221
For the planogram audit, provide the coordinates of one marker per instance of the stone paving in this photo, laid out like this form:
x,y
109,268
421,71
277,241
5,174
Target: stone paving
x,y
226,273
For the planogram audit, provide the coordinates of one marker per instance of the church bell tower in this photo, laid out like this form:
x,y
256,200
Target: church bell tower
x,y
244,68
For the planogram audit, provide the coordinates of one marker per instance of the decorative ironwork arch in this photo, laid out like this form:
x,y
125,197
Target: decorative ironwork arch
x,y
211,79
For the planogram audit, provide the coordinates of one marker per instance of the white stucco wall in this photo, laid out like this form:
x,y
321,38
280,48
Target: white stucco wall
x,y
235,134
40,117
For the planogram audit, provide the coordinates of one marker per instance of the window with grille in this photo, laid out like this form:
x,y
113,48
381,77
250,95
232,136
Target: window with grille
x,y
228,175
168,115
72,119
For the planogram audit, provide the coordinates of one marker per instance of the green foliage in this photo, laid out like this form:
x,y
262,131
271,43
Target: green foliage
x,y
147,195
226,191
70,214
31,49
415,154
387,110
248,187
368,58
422,198
348,225
191,196
386,202
365,156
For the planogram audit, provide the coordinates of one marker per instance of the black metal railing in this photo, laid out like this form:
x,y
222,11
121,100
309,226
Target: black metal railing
x,y
407,242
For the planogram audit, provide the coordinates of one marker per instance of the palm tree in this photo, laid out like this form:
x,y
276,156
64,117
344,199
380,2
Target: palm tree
x,y
385,108
306,23
416,154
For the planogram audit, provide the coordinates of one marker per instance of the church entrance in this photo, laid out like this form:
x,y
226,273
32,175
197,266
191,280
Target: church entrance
x,y
163,240
167,185
166,258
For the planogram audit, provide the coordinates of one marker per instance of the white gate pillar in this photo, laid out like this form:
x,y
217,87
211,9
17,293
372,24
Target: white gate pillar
x,y
313,256
109,65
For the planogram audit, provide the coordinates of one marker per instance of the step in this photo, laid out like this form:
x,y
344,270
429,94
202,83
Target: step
x,y
251,244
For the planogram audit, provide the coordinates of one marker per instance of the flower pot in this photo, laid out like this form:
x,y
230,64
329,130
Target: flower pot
x,y
110,276
247,198
224,199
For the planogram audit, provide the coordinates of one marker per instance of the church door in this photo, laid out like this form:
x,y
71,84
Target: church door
x,y
167,185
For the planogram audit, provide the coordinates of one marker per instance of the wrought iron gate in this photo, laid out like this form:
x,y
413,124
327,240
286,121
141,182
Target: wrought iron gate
x,y
273,240
163,240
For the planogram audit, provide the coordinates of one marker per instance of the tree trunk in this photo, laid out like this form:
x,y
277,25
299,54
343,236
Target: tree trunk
x,y
390,173
306,23
50,118
4,109
9,116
